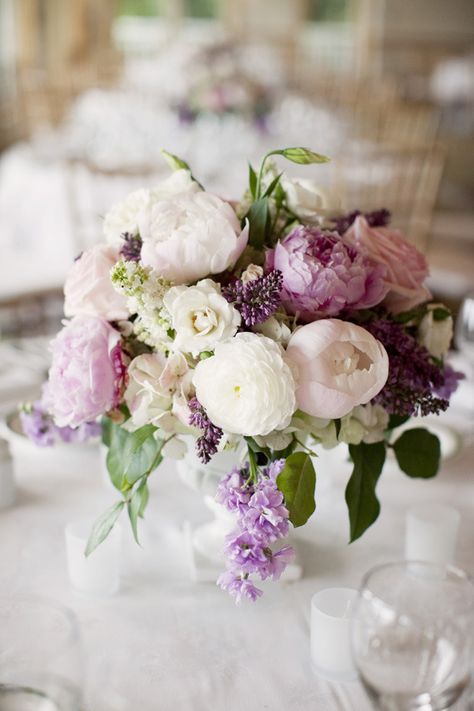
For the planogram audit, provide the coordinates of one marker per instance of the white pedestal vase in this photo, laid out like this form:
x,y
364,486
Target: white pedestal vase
x,y
205,542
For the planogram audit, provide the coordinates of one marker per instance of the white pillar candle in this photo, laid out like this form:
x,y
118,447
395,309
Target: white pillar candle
x,y
99,573
431,532
330,633
7,479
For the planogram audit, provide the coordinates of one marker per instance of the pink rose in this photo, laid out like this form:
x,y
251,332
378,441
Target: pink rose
x,y
89,291
406,266
86,374
338,365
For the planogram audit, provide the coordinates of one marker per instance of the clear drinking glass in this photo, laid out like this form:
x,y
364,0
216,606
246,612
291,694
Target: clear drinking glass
x,y
40,656
464,335
411,635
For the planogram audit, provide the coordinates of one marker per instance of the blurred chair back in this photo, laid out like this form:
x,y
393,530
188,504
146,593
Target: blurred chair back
x,y
406,182
396,125
36,313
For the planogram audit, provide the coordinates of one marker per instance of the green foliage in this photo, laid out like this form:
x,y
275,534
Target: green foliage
x,y
300,155
136,506
103,526
297,482
396,421
418,453
132,455
252,182
361,500
259,220
174,162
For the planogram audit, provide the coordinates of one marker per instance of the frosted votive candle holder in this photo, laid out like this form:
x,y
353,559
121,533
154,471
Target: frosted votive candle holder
x,y
331,655
431,533
98,573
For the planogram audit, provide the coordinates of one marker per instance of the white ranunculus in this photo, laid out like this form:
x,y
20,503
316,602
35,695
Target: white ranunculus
x,y
157,392
200,316
246,388
308,201
190,236
435,336
366,423
125,215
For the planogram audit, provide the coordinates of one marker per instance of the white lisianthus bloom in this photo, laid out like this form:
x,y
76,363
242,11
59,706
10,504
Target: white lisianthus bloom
x,y
436,335
366,423
308,201
189,236
124,216
246,388
158,391
200,316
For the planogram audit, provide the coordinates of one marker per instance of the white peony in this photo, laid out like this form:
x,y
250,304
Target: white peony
x,y
435,336
308,201
366,423
125,215
158,392
246,387
190,236
200,316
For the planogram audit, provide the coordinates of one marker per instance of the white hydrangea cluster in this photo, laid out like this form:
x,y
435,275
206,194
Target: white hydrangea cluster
x,y
145,291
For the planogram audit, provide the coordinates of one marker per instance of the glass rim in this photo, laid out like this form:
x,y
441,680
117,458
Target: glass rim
x,y
72,629
459,573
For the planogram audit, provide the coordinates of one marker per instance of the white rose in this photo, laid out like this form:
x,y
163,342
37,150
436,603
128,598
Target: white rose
x,y
366,423
200,316
191,236
308,201
158,390
252,272
435,336
246,387
124,216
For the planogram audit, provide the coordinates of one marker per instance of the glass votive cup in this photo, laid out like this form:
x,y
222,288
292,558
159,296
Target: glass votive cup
x,y
98,573
41,660
431,533
331,655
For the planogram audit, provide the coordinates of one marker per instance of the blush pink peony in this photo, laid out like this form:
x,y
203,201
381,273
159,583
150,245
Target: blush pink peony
x,y
406,267
88,290
338,365
86,374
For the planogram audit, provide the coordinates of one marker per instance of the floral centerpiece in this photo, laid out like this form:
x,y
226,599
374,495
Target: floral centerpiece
x,y
273,323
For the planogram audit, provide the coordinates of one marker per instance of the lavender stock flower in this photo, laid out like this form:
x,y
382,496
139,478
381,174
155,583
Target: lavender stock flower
x,y
258,299
132,247
208,443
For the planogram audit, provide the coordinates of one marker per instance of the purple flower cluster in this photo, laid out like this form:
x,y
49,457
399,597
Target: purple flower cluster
x,y
378,218
262,519
207,444
258,299
39,427
322,276
414,380
132,247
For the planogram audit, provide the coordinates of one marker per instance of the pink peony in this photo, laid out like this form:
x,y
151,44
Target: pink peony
x,y
406,266
89,291
86,373
322,275
338,365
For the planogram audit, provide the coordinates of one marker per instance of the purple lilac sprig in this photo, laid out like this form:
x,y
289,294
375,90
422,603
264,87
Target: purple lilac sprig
x,y
38,425
377,218
132,247
262,519
207,444
258,299
414,380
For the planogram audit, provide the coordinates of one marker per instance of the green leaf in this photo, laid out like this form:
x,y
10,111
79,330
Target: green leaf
x,y
106,425
272,186
258,217
302,156
174,162
297,482
418,453
396,421
103,526
136,506
363,505
132,455
440,313
252,182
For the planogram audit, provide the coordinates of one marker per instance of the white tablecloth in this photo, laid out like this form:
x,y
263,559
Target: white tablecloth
x,y
165,643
